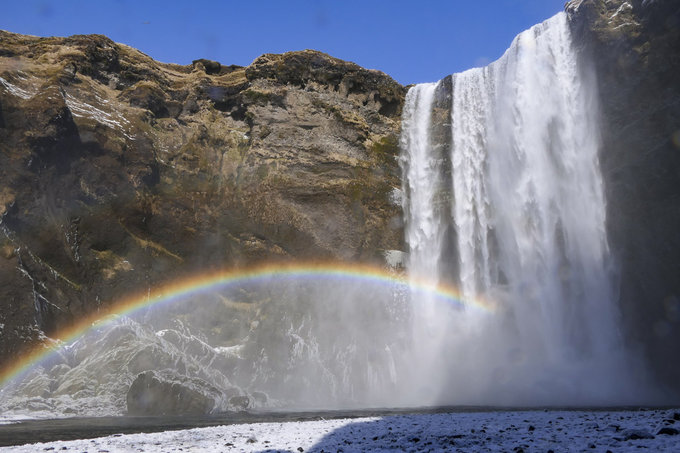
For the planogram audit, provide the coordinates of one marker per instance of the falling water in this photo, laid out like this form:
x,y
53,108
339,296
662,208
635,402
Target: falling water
x,y
504,198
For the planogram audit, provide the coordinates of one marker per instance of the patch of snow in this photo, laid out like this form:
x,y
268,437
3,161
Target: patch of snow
x,y
535,430
625,24
229,351
15,90
9,421
84,110
573,5
625,6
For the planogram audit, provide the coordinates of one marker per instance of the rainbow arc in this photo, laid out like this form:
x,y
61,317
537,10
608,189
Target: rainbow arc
x,y
233,278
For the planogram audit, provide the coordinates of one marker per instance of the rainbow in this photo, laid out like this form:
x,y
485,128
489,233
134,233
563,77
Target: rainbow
x,y
220,280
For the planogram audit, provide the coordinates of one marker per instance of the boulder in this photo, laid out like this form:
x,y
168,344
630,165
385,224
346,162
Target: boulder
x,y
167,393
240,402
208,66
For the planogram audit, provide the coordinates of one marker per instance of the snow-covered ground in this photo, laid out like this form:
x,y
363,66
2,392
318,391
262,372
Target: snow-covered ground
x,y
600,431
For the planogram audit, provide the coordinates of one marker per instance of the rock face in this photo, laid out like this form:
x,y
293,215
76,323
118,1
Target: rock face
x,y
636,50
118,172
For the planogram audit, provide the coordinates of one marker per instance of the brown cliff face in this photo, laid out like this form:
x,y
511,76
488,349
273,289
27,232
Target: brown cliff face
x,y
118,172
635,45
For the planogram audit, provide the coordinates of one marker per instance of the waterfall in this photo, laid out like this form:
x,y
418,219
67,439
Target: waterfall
x,y
504,199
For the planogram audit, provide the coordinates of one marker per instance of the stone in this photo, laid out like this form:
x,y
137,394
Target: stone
x,y
259,397
167,393
668,431
241,402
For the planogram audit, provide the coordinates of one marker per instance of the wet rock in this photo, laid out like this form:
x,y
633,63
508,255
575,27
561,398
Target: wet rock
x,y
634,45
240,402
166,393
668,431
260,397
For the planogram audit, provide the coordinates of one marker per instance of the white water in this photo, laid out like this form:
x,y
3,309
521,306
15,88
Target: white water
x,y
528,213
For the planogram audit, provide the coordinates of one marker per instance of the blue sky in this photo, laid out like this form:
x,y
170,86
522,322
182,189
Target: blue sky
x,y
413,41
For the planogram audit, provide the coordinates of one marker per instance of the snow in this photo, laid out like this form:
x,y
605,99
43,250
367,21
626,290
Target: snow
x,y
625,24
82,109
573,5
85,110
536,430
625,6
15,90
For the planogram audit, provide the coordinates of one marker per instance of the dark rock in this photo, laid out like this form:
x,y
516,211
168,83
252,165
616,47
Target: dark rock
x,y
241,402
208,66
635,434
668,431
147,96
166,393
676,416
633,47
260,397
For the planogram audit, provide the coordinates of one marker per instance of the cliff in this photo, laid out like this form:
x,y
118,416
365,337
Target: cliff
x,y
118,172
635,46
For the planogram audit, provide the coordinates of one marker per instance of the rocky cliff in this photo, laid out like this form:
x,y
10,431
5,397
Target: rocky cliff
x,y
635,45
118,172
